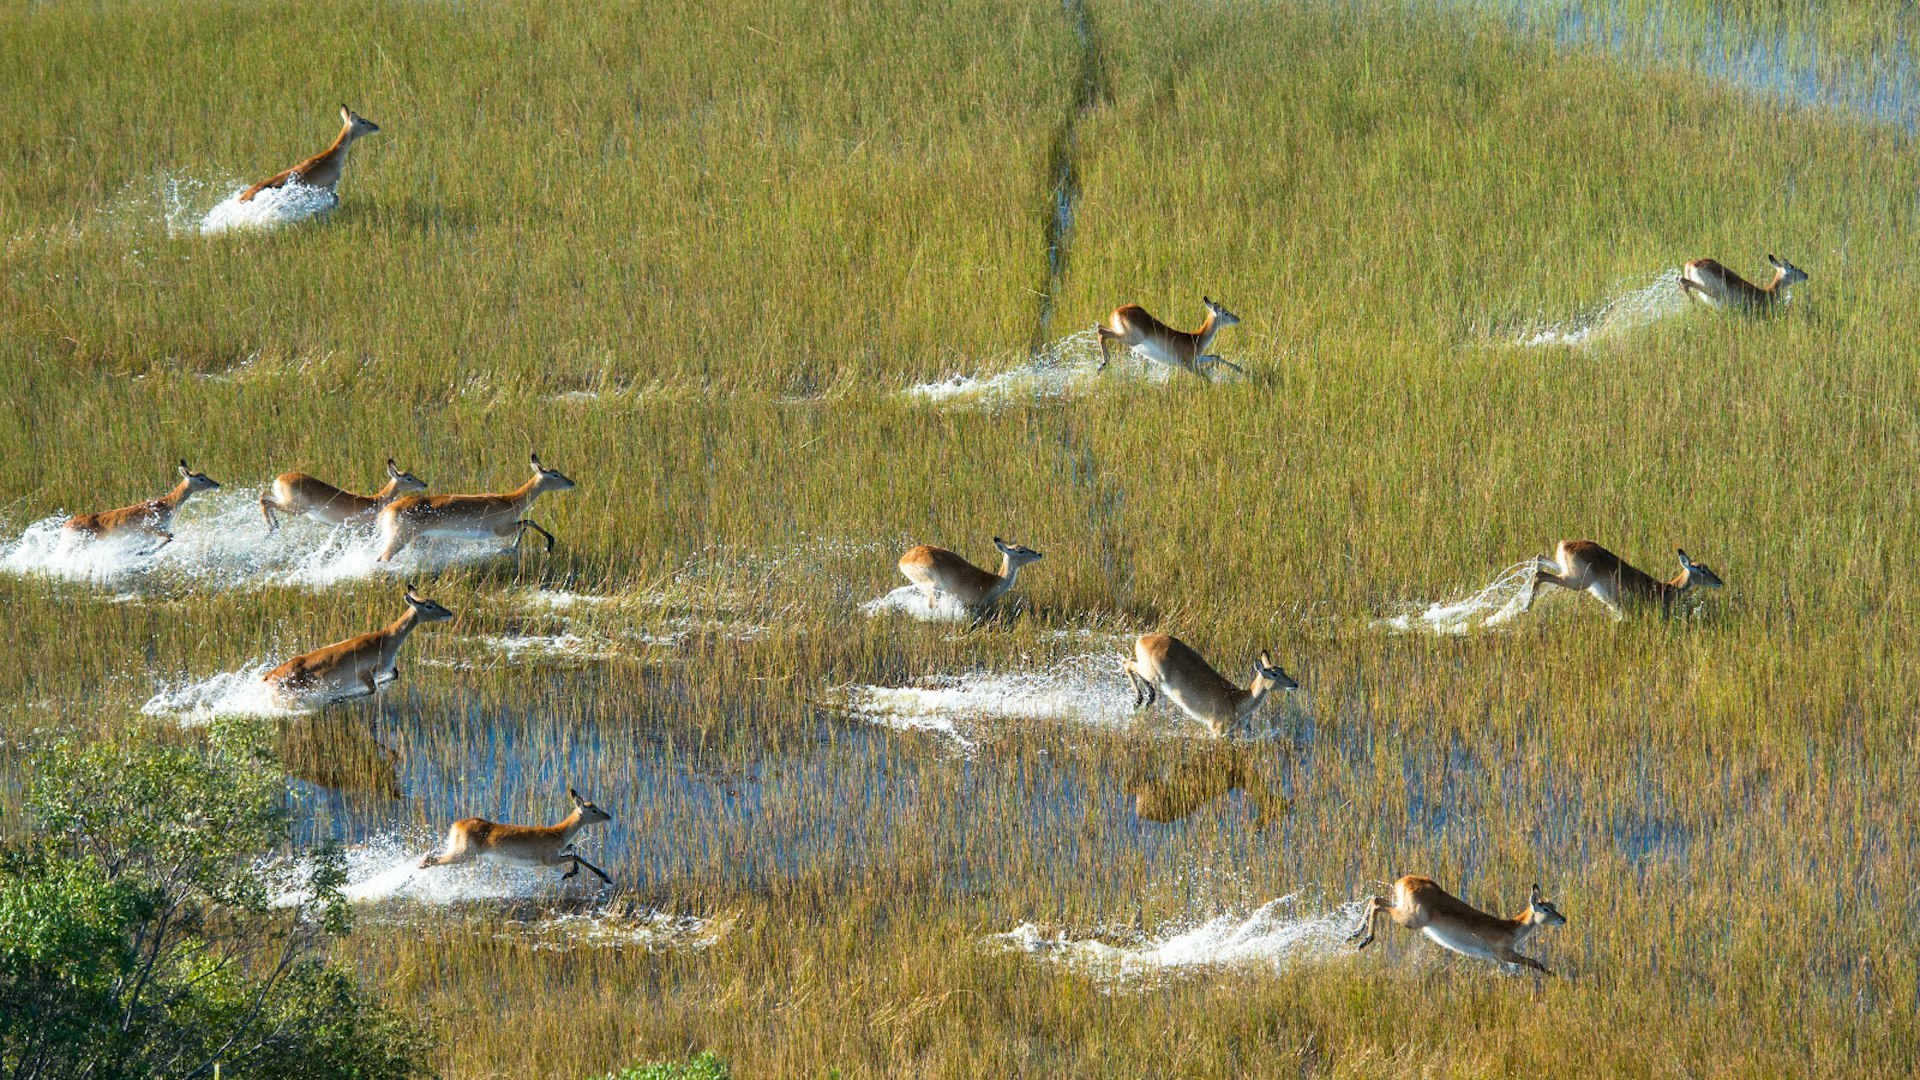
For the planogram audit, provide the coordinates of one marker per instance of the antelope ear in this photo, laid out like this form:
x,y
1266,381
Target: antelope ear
x,y
535,458
1207,300
1774,261
999,543
412,597
184,471
1535,898
575,796
1682,552
392,469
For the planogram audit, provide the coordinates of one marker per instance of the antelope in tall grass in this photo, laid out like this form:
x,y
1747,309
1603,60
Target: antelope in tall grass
x,y
152,518
468,517
322,170
1586,566
357,665
1178,791
297,494
935,570
1715,285
1162,663
1132,327
1420,904
525,845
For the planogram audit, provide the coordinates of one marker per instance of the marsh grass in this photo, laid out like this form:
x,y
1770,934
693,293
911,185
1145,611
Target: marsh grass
x,y
693,255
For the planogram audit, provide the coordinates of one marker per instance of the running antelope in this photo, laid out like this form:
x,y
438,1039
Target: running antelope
x,y
322,170
1585,565
151,517
1163,663
1420,904
1175,793
359,664
527,845
935,570
298,494
1710,283
468,517
1133,327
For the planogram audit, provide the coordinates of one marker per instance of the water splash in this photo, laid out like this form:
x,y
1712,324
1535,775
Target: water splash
x,y
909,600
270,209
561,648
1067,366
230,693
387,867
1496,604
220,540
1633,310
1086,688
1273,936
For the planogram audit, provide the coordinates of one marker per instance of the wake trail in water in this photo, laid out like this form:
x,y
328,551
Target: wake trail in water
x,y
1274,936
1068,366
221,540
909,600
1496,604
1630,311
230,693
1087,688
387,867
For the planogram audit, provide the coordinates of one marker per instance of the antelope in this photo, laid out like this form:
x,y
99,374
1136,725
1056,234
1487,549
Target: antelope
x,y
298,494
1420,904
1176,793
1133,327
1715,285
469,517
1163,663
935,570
322,170
151,517
1585,565
526,845
358,664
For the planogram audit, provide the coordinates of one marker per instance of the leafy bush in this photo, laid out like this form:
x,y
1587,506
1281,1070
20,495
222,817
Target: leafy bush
x,y
704,1067
137,936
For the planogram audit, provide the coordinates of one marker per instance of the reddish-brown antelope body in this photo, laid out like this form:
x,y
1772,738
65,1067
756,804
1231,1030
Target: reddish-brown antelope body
x,y
525,845
468,517
357,665
322,170
300,495
1586,566
1421,904
153,517
1162,663
935,570
1713,284
1133,327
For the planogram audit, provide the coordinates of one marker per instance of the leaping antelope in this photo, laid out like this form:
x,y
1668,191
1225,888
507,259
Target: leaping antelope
x,y
322,170
1420,904
298,494
468,517
526,845
1133,327
1585,565
358,664
935,570
151,517
1163,663
1715,285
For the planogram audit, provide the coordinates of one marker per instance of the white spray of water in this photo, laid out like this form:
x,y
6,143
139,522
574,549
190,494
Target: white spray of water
x,y
1066,366
220,539
230,693
1085,688
1630,311
909,600
1273,936
270,209
1498,603
565,646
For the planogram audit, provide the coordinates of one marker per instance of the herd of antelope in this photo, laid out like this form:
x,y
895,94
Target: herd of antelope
x,y
1161,664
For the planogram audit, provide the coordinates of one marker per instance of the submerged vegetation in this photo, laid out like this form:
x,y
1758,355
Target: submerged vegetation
x,y
701,257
